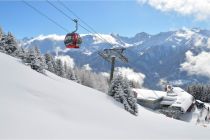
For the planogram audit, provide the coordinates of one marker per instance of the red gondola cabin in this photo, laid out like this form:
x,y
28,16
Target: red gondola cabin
x,y
72,40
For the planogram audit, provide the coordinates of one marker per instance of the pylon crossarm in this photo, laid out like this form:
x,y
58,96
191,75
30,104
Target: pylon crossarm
x,y
111,55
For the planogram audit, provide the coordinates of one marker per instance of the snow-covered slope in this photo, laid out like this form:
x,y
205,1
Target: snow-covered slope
x,y
38,106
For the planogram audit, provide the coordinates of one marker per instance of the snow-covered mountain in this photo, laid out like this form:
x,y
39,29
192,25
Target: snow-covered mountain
x,y
37,106
167,56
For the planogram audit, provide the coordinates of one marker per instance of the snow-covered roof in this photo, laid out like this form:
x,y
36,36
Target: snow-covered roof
x,y
182,99
167,102
149,94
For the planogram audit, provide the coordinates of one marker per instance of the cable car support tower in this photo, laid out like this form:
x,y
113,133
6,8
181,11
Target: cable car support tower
x,y
111,55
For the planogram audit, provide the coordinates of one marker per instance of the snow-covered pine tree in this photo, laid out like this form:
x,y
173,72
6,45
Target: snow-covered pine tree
x,y
119,94
129,95
200,92
34,61
204,96
133,104
67,71
31,57
126,105
75,76
2,42
41,59
189,90
121,91
20,53
59,68
10,43
49,62
208,91
70,74
192,90
53,60
28,52
116,89
65,67
114,85
1,33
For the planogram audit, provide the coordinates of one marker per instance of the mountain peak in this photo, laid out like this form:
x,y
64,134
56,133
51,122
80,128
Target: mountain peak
x,y
142,35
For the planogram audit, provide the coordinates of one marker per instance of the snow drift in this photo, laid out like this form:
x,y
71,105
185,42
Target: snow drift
x,y
37,106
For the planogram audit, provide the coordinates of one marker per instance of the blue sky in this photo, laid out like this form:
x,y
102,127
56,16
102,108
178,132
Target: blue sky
x,y
121,17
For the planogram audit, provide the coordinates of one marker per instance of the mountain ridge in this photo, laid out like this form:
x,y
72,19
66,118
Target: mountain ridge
x,y
159,56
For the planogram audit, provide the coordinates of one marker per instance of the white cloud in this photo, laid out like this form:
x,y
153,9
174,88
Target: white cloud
x,y
199,42
69,61
131,75
200,9
97,38
197,65
51,37
105,74
185,33
87,67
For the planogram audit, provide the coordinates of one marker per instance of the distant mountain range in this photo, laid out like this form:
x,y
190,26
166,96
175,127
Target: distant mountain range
x,y
160,57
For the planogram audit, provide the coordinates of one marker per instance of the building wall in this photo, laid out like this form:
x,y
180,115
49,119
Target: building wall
x,y
152,104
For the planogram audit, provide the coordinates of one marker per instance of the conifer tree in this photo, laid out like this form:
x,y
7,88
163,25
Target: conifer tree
x,y
33,59
1,33
10,43
65,67
40,58
129,94
2,41
70,74
75,76
59,68
208,91
49,62
20,53
114,85
119,94
121,91
204,96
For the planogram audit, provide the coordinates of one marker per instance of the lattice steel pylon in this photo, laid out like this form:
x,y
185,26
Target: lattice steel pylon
x,y
111,55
